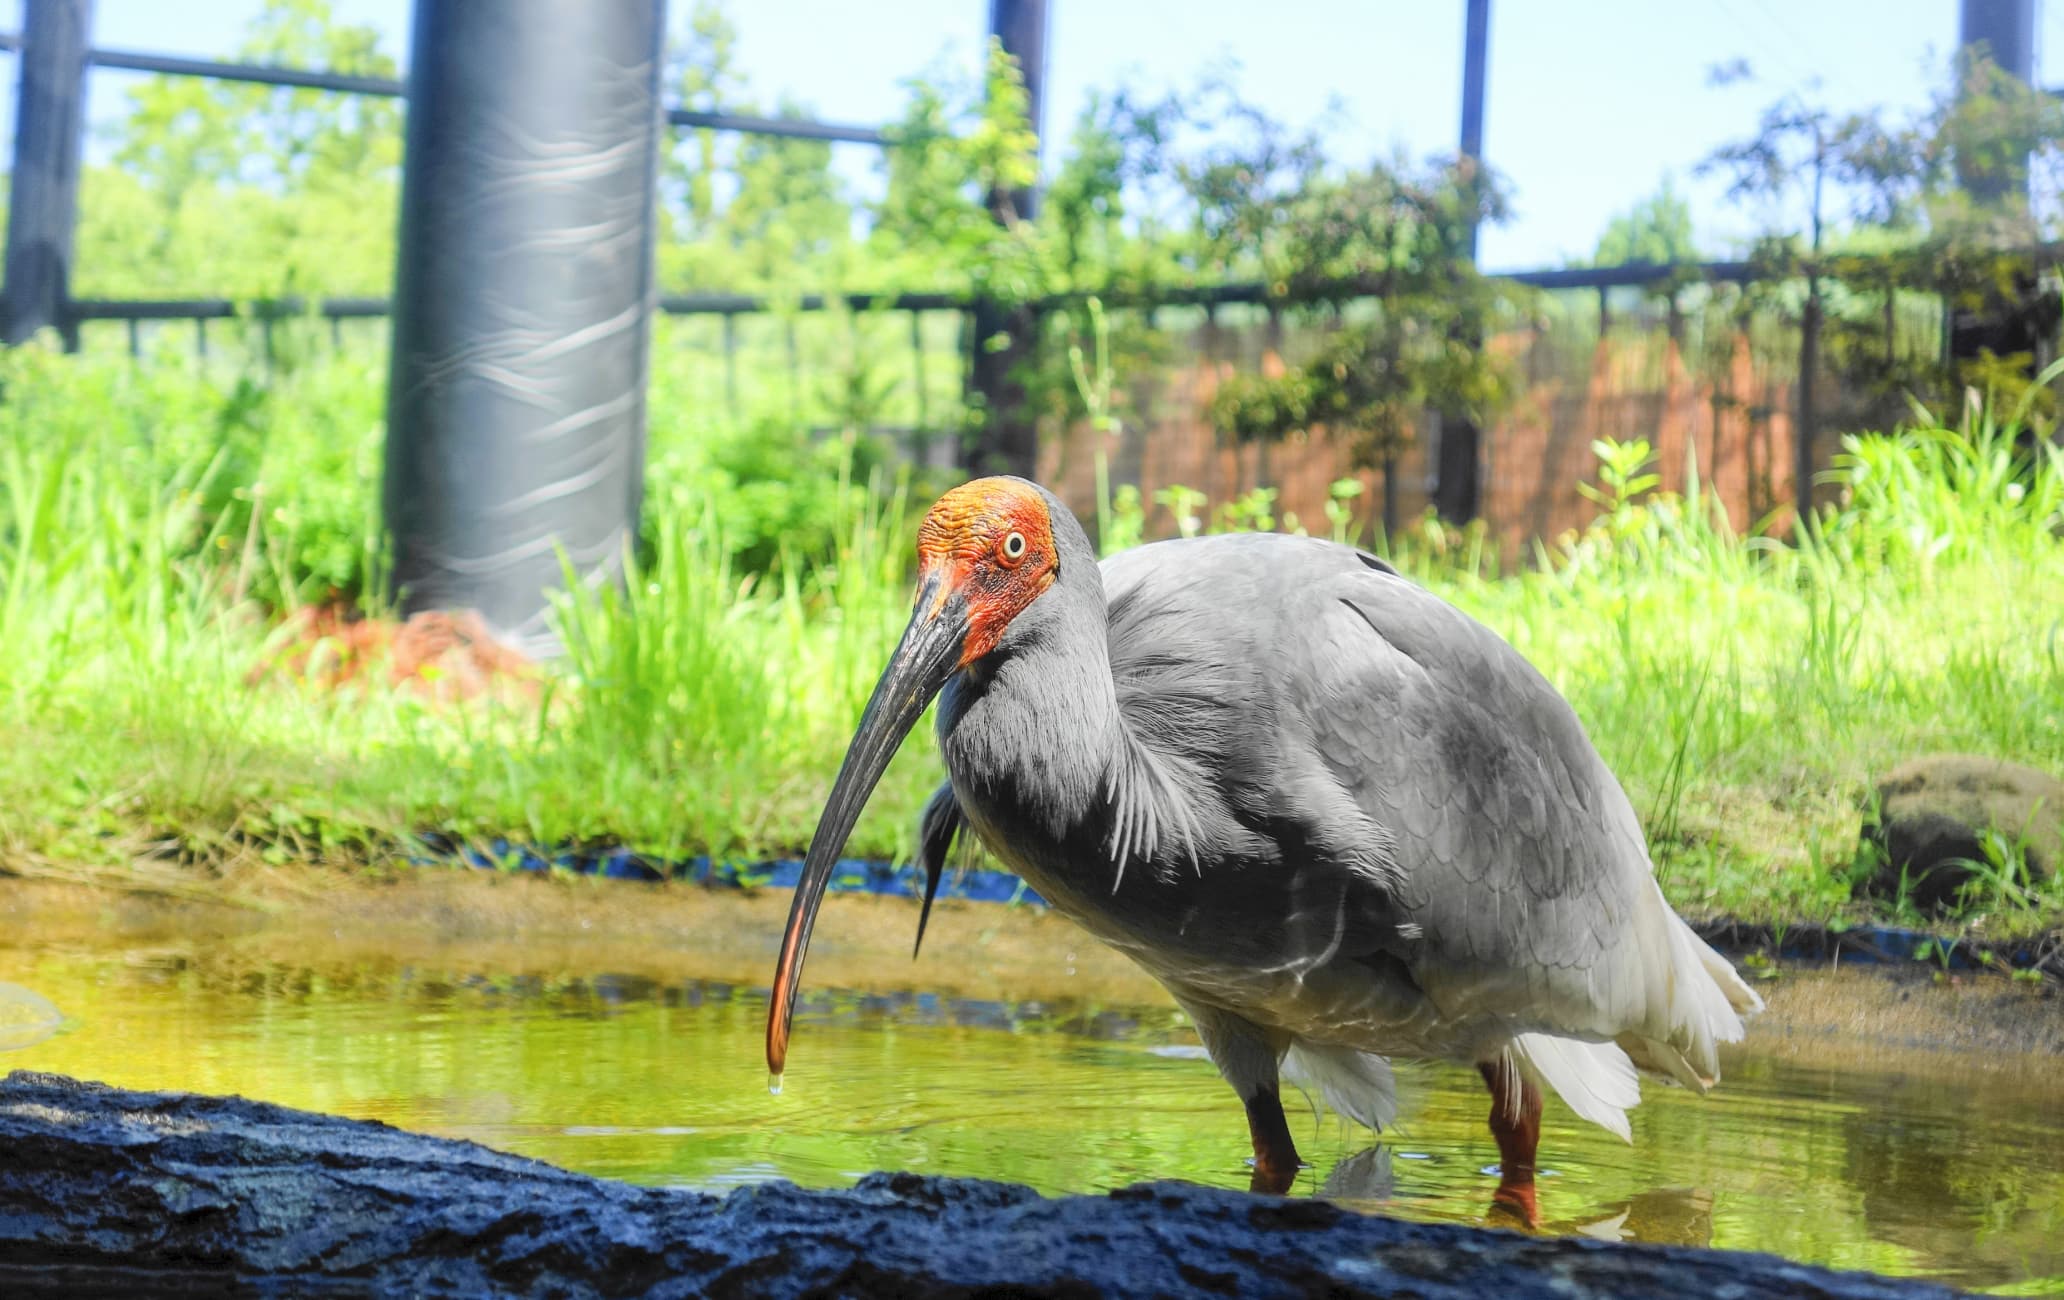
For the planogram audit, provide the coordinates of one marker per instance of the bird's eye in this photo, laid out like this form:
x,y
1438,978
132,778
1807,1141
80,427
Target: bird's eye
x,y
1014,547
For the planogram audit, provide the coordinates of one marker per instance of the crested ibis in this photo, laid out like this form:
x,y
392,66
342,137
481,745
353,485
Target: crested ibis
x,y
1338,819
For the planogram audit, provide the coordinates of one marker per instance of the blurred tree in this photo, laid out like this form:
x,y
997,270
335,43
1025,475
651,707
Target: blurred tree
x,y
743,213
790,220
702,68
1657,230
956,143
1393,240
220,187
1889,206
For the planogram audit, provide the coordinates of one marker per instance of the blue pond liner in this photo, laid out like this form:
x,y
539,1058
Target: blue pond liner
x,y
1812,944
848,875
1884,945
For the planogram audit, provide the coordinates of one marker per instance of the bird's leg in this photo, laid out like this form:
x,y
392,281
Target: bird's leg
x,y
1516,1124
1275,1155
1248,1057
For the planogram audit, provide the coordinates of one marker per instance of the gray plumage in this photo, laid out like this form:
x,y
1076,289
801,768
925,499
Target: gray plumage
x,y
1334,815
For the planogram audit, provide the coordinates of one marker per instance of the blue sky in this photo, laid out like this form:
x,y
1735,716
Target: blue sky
x,y
1590,102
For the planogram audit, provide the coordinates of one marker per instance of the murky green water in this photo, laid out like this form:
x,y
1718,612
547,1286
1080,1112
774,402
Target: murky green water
x,y
1923,1172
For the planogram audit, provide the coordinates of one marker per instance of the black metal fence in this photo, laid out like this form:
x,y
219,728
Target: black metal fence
x,y
54,43
52,51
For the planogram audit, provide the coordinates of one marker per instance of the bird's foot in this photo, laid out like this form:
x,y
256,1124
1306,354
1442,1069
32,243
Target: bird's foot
x,y
1516,1124
1514,1205
1274,1178
1275,1155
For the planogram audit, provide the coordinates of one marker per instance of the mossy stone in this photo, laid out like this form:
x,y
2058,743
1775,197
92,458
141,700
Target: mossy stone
x,y
1932,814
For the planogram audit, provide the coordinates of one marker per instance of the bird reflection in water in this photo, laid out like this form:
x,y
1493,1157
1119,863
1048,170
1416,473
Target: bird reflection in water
x,y
1669,1216
26,1017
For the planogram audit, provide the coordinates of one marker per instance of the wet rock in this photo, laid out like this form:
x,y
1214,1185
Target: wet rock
x,y
1932,814
107,1190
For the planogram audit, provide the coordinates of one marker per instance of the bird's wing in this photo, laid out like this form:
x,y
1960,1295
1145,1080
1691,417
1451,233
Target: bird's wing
x,y
1521,859
1517,878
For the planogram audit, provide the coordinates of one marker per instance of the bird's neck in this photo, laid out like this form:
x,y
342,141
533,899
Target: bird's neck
x,y
1033,734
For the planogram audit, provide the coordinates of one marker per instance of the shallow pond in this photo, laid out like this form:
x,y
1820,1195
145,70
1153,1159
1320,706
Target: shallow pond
x,y
1904,1164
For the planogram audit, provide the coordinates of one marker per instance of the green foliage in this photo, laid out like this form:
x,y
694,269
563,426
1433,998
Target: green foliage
x,y
702,69
1944,204
1392,234
258,192
147,543
1744,689
771,494
743,212
1960,495
1249,407
949,219
222,188
295,458
1623,477
1340,495
153,518
1657,231
1183,503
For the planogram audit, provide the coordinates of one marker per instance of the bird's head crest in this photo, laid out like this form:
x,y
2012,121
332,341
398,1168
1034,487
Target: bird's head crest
x,y
991,543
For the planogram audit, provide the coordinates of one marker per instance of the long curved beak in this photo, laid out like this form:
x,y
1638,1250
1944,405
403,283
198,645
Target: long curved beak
x,y
928,654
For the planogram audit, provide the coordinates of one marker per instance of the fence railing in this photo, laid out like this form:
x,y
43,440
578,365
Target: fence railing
x,y
64,313
1629,275
346,83
68,314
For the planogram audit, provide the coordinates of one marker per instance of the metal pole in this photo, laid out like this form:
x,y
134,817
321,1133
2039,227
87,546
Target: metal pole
x,y
1020,26
2006,28
1476,53
523,303
917,366
1458,486
2004,31
1803,437
2005,323
731,365
43,201
1008,440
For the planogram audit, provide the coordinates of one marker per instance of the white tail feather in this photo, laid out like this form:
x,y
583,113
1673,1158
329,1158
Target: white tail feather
x,y
1704,1006
1596,1080
1695,1001
1741,999
1358,1085
1663,1061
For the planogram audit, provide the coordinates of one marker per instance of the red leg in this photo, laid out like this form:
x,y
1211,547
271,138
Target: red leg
x,y
1275,1155
1516,1123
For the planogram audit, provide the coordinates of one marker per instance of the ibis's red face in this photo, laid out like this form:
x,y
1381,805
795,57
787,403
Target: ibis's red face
x,y
985,552
990,544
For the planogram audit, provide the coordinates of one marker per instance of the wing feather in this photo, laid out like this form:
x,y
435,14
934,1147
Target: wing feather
x,y
1534,887
1518,889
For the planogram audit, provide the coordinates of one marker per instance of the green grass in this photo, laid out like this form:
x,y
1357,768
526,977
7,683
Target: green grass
x,y
154,520
1748,691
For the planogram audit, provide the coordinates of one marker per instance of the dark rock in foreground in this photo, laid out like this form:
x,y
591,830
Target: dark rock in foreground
x,y
109,1190
1932,816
